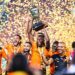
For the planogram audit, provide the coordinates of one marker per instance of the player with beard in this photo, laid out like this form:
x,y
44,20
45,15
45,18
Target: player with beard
x,y
27,51
59,60
10,49
39,47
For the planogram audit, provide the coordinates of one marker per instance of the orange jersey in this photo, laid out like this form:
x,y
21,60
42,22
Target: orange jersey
x,y
9,50
50,54
17,73
36,59
0,61
67,52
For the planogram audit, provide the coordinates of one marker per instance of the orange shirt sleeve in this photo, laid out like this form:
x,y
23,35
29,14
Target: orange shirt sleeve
x,y
9,49
21,48
34,46
4,54
67,52
48,52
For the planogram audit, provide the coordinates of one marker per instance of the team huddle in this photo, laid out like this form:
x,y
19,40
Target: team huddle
x,y
41,58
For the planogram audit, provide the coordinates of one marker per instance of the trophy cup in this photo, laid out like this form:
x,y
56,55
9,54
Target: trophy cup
x,y
37,24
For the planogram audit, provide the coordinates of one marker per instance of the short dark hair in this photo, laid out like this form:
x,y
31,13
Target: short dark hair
x,y
55,47
55,42
29,43
19,36
73,44
19,63
0,48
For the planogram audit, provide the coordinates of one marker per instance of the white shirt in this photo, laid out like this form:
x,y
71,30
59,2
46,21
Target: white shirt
x,y
71,69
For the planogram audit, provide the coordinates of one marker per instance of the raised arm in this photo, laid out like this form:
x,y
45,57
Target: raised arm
x,y
46,38
29,30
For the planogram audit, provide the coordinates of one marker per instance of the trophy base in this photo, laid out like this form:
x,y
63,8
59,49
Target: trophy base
x,y
38,26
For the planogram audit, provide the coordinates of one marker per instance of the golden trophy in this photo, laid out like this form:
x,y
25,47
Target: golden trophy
x,y
37,23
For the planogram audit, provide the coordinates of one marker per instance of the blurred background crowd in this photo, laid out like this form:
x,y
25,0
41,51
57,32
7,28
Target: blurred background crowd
x,y
56,13
16,28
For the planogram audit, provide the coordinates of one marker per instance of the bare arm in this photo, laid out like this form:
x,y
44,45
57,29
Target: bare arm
x,y
47,62
46,38
29,31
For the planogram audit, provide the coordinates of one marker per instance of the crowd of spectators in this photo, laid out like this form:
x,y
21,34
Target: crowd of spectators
x,y
56,13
